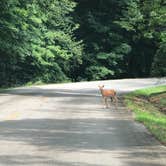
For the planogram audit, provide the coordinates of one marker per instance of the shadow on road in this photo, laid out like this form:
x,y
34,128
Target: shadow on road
x,y
75,135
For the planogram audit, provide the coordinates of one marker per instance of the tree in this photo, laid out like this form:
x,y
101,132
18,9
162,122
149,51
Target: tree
x,y
37,41
159,64
144,21
105,45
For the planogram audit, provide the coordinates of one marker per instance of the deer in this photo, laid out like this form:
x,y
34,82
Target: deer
x,y
108,93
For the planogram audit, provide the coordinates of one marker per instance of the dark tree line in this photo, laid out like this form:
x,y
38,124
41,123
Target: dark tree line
x,y
65,40
122,38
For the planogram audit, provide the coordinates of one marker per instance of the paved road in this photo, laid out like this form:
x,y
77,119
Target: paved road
x,y
66,125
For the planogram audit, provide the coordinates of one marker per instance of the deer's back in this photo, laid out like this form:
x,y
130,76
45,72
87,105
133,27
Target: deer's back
x,y
108,93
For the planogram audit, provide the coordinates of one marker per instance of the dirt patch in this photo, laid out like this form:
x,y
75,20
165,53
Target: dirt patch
x,y
159,101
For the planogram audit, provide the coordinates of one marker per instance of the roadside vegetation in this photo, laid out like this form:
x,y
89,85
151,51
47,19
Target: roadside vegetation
x,y
149,106
53,41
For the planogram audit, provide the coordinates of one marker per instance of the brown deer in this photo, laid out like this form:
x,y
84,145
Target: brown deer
x,y
108,93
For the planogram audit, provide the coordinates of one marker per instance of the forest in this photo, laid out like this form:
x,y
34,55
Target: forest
x,y
49,41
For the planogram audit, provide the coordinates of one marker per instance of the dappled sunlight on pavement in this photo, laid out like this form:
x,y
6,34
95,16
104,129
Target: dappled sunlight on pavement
x,y
70,127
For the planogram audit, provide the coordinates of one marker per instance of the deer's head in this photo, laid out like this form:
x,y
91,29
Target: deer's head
x,y
101,87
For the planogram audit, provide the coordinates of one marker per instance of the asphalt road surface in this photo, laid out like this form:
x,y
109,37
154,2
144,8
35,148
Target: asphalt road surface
x,y
67,125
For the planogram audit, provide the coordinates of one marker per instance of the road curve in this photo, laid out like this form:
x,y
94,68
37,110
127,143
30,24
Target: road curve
x,y
66,125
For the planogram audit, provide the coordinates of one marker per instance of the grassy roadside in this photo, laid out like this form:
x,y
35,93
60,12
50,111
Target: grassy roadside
x,y
149,106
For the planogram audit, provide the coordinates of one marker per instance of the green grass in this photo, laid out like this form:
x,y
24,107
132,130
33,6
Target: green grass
x,y
149,91
149,106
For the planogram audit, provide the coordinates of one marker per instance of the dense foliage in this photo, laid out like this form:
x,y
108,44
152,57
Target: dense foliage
x,y
73,40
122,37
37,41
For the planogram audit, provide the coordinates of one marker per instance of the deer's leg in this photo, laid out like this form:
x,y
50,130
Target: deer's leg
x,y
111,99
103,99
106,102
116,101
